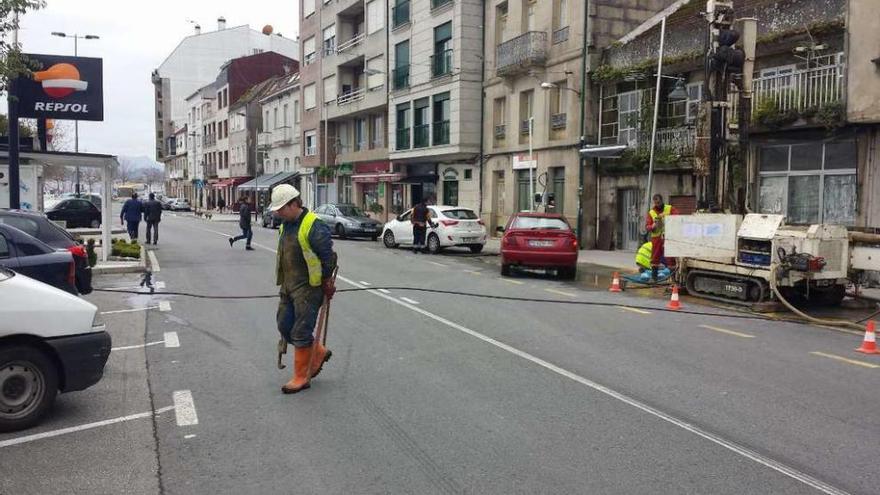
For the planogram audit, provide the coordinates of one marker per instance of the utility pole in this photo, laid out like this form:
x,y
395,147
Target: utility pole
x,y
14,179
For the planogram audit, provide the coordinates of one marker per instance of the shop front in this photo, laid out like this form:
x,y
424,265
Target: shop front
x,y
374,187
421,180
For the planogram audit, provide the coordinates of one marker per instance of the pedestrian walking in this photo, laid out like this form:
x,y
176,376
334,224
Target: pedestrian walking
x,y
419,220
655,225
221,204
244,223
130,216
304,271
152,215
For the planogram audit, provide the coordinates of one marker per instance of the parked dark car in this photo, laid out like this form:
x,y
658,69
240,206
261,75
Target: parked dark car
x,y
270,220
76,212
346,220
39,226
31,257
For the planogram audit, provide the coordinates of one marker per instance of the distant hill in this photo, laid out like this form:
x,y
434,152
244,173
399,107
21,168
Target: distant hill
x,y
138,163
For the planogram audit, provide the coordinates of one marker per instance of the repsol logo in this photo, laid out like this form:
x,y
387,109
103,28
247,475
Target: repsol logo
x,y
43,106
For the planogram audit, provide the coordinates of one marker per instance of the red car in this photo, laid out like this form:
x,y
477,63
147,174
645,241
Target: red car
x,y
539,240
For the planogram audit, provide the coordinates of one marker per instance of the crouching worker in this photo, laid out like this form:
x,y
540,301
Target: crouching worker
x,y
305,273
643,260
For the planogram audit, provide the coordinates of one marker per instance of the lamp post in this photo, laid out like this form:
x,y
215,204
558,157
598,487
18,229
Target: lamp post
x,y
76,37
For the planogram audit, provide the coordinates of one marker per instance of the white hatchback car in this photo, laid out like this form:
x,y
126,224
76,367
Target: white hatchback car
x,y
451,226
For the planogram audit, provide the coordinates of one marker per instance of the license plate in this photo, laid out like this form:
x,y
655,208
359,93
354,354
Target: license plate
x,y
470,239
540,243
369,229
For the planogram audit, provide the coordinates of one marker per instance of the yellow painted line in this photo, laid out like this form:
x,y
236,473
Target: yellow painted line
x,y
561,293
634,310
728,332
846,360
511,281
473,272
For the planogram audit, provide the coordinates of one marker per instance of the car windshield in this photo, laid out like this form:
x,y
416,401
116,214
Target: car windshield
x,y
460,214
539,223
350,211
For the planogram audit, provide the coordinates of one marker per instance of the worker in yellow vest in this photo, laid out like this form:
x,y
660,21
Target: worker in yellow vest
x,y
655,226
643,256
304,270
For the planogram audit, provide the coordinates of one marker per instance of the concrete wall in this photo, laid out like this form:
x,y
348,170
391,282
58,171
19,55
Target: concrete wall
x,y
863,75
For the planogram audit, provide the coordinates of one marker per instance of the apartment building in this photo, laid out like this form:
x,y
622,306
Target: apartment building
x,y
811,140
314,137
199,104
434,105
176,159
194,63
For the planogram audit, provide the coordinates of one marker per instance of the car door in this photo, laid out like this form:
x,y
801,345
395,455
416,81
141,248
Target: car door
x,y
63,212
402,228
7,253
40,261
80,213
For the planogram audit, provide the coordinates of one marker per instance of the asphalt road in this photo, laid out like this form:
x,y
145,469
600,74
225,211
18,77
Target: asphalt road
x,y
432,393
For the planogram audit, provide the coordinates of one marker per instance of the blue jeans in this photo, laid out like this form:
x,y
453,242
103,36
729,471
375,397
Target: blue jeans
x,y
247,233
298,314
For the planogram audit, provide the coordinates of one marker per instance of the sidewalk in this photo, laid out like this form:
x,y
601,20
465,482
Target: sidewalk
x,y
619,260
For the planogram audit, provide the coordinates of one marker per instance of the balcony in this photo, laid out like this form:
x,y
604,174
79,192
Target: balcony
x,y
400,14
402,141
799,90
560,35
210,140
441,63
441,133
500,131
524,127
264,140
311,150
421,136
353,42
522,53
352,96
282,135
558,121
678,140
400,77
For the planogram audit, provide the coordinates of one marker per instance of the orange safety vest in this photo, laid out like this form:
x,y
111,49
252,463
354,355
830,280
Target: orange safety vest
x,y
667,210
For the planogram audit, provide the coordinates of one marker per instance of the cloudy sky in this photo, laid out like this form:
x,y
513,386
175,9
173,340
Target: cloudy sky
x,y
135,38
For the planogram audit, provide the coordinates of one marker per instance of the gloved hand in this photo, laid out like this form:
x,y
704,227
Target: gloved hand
x,y
329,288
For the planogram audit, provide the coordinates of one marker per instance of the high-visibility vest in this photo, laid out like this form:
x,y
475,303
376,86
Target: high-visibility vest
x,y
643,257
312,261
667,210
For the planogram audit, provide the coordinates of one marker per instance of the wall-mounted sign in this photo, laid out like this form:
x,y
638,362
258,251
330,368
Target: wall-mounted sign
x,y
69,88
450,174
522,162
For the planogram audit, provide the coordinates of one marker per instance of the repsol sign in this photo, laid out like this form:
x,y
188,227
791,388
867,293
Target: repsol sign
x,y
62,88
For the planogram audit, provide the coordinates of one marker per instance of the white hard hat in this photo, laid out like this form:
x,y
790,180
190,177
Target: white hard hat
x,y
281,195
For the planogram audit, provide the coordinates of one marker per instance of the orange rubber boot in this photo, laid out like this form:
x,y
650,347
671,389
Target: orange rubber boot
x,y
322,355
300,380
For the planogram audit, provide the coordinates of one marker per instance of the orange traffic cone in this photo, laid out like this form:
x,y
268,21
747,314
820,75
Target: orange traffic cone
x,y
869,344
674,303
615,283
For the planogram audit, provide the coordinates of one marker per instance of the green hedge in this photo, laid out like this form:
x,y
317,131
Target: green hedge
x,y
126,250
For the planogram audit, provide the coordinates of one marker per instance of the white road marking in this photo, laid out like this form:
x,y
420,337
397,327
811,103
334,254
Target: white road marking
x,y
154,262
474,272
712,437
159,285
365,283
728,332
88,426
845,360
634,310
185,408
187,437
132,310
438,264
554,291
164,306
511,281
383,291
171,339
409,300
139,346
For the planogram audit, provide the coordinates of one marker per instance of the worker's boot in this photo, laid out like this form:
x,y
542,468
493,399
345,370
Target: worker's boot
x,y
321,356
653,273
300,380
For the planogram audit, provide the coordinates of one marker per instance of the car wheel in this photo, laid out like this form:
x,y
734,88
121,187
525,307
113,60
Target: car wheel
x,y
28,386
388,240
340,231
95,224
505,270
433,244
476,248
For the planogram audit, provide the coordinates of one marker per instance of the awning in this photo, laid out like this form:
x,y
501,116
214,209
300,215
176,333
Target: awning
x,y
603,151
373,178
267,181
231,182
418,179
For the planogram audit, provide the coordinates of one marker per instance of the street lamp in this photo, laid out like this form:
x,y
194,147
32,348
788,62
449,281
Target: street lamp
x,y
76,38
550,85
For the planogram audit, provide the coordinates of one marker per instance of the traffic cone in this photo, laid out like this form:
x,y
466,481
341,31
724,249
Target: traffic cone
x,y
869,344
673,302
615,283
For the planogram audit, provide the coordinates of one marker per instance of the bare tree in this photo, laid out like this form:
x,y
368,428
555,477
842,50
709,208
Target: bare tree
x,y
62,136
152,175
126,171
55,173
90,176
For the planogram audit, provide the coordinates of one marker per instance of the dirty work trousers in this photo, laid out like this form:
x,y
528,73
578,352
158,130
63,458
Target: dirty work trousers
x,y
297,315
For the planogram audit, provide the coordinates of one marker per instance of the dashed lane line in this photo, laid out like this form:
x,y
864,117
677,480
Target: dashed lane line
x,y
185,408
385,291
845,360
511,281
728,332
561,293
138,346
154,261
87,426
634,310
438,264
365,283
164,306
132,310
171,339
411,301
474,272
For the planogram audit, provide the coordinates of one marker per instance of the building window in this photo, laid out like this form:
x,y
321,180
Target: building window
x,y
401,65
421,123
309,50
375,16
450,192
360,134
287,164
402,137
376,74
311,141
377,132
330,40
296,111
329,89
442,59
629,107
523,197
529,24
809,182
442,113
468,174
499,119
266,122
556,187
275,119
560,14
526,112
309,96
400,13
308,8
285,115
500,23
695,95
225,97
558,106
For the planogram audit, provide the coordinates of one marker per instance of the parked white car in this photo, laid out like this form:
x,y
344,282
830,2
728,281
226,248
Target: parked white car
x,y
50,342
180,204
451,226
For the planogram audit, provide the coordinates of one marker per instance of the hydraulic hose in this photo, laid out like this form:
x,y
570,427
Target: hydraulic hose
x,y
821,321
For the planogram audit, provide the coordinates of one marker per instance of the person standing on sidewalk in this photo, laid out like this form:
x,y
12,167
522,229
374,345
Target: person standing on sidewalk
x,y
304,271
244,223
152,215
221,205
419,220
130,216
655,225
